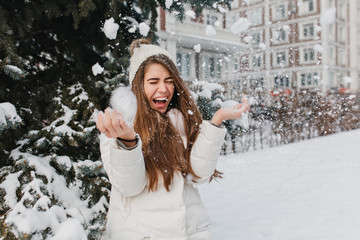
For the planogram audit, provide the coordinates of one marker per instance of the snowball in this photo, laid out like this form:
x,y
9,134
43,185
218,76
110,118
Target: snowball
x,y
286,27
144,29
210,31
97,69
217,102
262,46
110,28
229,104
168,3
197,48
240,26
132,29
124,101
221,9
243,121
190,14
328,16
319,48
248,39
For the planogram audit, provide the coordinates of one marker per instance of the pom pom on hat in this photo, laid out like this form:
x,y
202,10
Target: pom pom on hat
x,y
140,50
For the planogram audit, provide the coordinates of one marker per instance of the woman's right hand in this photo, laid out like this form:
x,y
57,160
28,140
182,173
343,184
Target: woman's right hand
x,y
112,124
235,113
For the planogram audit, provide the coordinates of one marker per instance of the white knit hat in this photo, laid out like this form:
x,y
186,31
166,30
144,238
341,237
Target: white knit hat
x,y
141,53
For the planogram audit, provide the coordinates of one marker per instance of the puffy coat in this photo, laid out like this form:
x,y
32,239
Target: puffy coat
x,y
178,214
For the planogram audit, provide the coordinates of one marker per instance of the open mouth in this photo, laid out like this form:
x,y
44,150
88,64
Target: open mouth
x,y
160,101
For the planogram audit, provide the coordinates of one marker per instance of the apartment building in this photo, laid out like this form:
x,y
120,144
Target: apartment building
x,y
204,46
298,44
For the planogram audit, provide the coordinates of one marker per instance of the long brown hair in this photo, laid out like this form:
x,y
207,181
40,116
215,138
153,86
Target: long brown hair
x,y
163,148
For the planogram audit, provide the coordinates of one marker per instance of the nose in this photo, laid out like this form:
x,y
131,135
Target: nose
x,y
162,87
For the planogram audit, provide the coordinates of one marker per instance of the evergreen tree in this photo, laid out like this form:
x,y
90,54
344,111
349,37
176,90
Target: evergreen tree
x,y
49,160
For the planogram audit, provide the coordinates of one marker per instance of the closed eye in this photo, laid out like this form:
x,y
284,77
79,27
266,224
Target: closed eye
x,y
169,80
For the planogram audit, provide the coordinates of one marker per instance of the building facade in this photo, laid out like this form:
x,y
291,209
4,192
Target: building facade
x,y
298,44
290,44
204,46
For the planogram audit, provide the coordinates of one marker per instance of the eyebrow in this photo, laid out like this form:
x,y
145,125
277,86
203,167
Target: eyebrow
x,y
159,78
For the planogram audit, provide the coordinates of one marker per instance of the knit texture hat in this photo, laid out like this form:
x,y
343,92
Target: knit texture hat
x,y
140,54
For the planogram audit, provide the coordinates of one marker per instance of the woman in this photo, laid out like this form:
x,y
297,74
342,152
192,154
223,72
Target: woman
x,y
154,165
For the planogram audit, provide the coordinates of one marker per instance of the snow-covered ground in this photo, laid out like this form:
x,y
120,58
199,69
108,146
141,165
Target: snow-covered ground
x,y
302,191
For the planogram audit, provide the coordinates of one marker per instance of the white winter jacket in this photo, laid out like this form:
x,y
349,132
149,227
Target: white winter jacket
x,y
136,213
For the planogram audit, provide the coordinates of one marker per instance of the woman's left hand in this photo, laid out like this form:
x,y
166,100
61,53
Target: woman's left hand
x,y
234,113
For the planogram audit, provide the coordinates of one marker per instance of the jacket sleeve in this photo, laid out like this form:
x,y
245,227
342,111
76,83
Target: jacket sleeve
x,y
206,150
125,168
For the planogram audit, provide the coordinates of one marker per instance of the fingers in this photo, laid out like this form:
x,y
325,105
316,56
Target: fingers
x,y
110,121
112,124
122,122
246,105
100,122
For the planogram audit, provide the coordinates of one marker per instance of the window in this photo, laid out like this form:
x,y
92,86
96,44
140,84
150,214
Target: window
x,y
342,56
316,79
309,55
183,64
257,61
256,83
255,16
331,26
331,79
306,6
256,39
236,64
309,5
280,58
280,11
218,68
309,80
308,30
340,11
280,35
211,20
303,80
341,34
331,52
282,81
212,67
